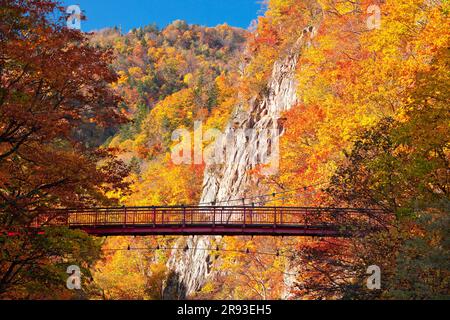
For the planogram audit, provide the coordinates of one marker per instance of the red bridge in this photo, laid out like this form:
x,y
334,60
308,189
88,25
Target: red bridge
x,y
231,220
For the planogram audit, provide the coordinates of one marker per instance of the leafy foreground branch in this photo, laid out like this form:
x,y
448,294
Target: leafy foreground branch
x,y
52,83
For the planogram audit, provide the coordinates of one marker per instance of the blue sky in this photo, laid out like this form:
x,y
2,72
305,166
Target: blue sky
x,y
135,13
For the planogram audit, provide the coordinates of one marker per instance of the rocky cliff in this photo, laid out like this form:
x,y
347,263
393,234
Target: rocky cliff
x,y
231,179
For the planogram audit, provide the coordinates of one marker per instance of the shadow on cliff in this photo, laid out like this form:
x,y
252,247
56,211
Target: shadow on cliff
x,y
175,289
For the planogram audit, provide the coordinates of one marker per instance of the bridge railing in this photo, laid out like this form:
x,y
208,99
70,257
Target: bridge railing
x,y
185,216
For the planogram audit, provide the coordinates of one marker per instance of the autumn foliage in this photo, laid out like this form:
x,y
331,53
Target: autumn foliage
x,y
87,119
52,82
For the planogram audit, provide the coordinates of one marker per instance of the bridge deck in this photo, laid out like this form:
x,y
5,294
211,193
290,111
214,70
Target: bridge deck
x,y
214,220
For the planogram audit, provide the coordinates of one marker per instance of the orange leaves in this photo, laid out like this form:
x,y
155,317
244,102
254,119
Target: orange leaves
x,y
301,119
248,274
161,183
301,157
227,100
182,76
54,86
122,274
282,25
266,36
349,79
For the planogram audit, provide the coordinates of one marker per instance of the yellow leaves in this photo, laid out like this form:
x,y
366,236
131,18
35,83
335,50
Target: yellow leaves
x,y
259,70
135,72
208,288
355,81
141,139
157,281
119,46
122,275
227,101
188,79
326,5
123,78
161,183
345,7
155,53
249,274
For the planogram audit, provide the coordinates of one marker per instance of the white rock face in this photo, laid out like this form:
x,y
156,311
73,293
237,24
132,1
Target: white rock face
x,y
230,180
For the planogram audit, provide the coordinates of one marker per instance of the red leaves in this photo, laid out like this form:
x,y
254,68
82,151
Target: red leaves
x,y
52,82
266,35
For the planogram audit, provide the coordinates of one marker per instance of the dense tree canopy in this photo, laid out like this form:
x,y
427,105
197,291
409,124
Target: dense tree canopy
x,y
371,129
52,81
